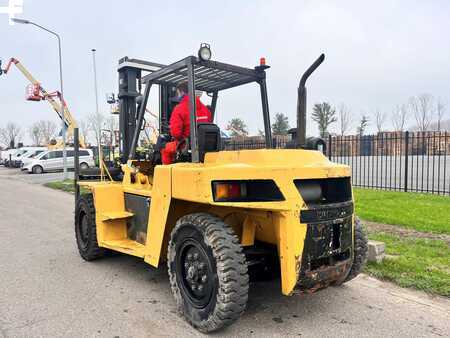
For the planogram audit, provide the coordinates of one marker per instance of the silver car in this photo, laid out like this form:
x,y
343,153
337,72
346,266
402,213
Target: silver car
x,y
52,160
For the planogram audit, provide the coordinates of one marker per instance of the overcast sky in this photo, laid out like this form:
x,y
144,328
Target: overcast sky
x,y
378,53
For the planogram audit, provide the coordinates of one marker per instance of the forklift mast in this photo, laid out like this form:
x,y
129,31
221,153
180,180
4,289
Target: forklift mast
x,y
130,99
130,88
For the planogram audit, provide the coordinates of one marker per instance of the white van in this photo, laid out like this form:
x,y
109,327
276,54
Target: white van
x,y
16,156
52,160
25,152
29,156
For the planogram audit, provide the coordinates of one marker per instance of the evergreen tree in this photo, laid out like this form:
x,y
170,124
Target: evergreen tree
x,y
237,127
281,124
362,125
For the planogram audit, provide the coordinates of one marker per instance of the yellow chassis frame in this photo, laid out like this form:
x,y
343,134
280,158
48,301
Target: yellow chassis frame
x,y
179,189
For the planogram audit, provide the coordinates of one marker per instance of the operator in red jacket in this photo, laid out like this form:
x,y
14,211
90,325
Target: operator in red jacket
x,y
180,123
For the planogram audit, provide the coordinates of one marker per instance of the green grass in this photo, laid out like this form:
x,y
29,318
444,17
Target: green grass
x,y
421,212
423,264
66,185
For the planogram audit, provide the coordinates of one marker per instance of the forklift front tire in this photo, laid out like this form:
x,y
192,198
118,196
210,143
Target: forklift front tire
x,y
359,252
86,230
208,272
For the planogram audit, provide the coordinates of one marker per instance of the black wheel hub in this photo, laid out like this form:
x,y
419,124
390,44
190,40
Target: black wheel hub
x,y
195,273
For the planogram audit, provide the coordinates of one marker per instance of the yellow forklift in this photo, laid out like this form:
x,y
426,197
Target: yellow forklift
x,y
217,216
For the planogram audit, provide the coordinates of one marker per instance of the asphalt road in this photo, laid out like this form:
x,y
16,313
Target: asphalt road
x,y
24,176
47,290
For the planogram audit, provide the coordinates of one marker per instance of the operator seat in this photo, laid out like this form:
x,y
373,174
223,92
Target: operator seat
x,y
209,140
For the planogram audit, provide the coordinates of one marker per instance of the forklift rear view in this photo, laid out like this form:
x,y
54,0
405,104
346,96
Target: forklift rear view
x,y
220,218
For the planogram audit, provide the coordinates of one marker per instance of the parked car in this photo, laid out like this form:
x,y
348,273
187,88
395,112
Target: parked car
x,y
29,156
4,156
16,156
11,156
52,160
24,152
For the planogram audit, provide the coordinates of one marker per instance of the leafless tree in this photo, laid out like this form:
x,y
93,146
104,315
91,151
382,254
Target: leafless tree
x,y
83,127
344,118
41,132
399,117
111,124
10,134
47,130
440,111
380,118
422,106
96,123
35,134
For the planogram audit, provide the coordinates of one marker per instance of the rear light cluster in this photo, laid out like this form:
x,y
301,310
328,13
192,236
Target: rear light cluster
x,y
246,191
229,191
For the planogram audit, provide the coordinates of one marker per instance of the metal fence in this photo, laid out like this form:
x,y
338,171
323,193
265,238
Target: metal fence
x,y
402,161
253,142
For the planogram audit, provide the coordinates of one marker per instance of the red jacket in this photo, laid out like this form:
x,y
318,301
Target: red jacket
x,y
180,120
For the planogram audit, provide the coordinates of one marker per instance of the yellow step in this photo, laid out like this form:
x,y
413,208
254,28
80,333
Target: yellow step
x,y
111,215
126,246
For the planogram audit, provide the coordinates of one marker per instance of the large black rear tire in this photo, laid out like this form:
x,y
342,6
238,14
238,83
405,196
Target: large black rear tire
x,y
86,229
207,271
359,251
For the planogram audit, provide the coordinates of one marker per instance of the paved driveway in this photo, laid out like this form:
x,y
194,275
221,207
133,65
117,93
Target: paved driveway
x,y
14,173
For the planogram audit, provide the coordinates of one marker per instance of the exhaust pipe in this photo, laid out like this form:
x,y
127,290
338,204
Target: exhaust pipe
x,y
301,102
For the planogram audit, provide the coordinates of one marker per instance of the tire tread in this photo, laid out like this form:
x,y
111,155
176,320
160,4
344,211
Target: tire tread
x,y
93,250
360,251
231,269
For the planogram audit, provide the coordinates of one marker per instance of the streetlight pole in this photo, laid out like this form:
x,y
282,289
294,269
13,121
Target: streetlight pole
x,y
95,81
100,150
63,114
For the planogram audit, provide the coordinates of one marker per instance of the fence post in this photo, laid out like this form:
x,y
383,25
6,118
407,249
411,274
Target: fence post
x,y
406,160
329,147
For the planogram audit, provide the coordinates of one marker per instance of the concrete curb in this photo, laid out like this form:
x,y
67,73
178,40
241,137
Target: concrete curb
x,y
376,252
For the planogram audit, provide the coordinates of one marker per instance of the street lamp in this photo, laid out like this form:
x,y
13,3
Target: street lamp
x,y
100,150
63,115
